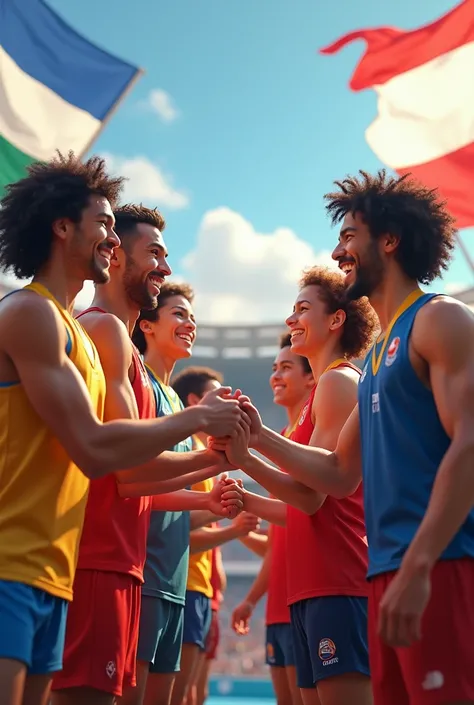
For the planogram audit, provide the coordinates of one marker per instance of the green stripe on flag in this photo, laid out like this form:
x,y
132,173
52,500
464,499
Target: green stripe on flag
x,y
13,163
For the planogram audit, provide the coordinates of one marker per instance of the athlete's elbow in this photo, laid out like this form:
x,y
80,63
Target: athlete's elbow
x,y
345,488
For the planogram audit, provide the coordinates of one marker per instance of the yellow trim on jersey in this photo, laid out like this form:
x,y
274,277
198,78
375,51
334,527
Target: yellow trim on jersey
x,y
377,359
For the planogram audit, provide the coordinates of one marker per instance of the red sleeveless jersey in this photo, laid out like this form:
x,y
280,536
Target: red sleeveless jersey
x,y
115,528
326,552
277,611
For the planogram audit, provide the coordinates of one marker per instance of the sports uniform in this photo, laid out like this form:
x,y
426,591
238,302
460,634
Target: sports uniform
x,y
102,626
213,635
403,444
327,588
43,497
166,567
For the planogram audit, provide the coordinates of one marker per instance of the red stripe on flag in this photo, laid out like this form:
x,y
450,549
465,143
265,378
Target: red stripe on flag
x,y
391,52
452,176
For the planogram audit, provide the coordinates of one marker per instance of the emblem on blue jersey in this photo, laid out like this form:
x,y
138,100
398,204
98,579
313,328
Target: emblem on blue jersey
x,y
392,352
364,372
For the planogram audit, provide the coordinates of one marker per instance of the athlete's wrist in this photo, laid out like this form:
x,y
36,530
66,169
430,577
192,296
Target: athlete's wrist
x,y
416,563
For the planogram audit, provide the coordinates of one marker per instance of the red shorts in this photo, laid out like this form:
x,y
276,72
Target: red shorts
x,y
212,640
101,633
440,667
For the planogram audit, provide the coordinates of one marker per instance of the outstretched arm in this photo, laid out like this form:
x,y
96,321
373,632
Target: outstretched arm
x,y
207,538
59,395
272,510
257,543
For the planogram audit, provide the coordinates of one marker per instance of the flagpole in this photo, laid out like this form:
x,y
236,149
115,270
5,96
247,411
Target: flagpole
x,y
464,251
131,84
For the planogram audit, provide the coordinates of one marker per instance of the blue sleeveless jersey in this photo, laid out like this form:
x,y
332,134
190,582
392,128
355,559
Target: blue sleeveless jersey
x,y
166,567
403,444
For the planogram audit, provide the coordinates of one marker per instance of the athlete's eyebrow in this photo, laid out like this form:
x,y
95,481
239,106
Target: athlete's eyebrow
x,y
345,231
158,246
184,310
302,301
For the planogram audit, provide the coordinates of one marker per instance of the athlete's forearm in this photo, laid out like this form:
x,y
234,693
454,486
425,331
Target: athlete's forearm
x,y
283,486
202,518
181,500
315,467
157,487
205,539
124,444
259,586
169,465
257,543
271,510
452,499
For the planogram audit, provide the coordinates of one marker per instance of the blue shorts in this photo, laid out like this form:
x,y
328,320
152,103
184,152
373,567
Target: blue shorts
x,y
197,618
279,645
329,638
33,627
161,634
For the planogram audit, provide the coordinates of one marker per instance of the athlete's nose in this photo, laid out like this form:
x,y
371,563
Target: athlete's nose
x,y
338,251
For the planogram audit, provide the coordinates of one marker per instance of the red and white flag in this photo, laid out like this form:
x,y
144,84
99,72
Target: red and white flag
x,y
424,80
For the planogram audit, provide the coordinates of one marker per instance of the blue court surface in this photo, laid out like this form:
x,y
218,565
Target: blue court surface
x,y
218,700
240,691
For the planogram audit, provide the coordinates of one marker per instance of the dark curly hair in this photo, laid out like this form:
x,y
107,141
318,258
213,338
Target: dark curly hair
x,y
168,289
193,380
60,188
127,218
285,342
402,207
361,322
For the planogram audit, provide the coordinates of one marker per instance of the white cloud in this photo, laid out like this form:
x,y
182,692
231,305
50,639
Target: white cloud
x,y
452,288
241,276
162,104
146,182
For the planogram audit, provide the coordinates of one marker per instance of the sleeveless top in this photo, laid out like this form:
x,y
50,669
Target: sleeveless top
x,y
327,552
43,493
403,443
115,527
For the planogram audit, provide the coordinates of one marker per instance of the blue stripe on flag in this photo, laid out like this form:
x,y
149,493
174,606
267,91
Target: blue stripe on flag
x,y
53,53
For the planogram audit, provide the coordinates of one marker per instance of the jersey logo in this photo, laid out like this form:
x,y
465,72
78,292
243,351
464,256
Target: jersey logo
x,y
270,653
364,372
303,414
327,652
392,352
375,403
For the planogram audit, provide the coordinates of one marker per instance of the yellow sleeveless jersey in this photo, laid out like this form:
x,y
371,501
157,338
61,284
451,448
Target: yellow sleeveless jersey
x,y
42,493
200,564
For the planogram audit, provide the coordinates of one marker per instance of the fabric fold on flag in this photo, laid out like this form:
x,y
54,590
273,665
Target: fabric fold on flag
x,y
425,122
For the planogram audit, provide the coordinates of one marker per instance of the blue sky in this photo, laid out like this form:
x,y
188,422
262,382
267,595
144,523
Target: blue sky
x,y
257,127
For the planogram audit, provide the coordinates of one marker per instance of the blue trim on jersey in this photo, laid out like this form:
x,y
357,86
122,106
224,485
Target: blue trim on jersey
x,y
403,444
69,342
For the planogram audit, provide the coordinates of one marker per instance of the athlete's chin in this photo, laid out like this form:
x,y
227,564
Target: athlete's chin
x,y
100,275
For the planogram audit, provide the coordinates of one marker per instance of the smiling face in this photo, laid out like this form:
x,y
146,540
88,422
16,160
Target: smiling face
x,y
290,382
359,257
310,323
174,332
93,240
145,266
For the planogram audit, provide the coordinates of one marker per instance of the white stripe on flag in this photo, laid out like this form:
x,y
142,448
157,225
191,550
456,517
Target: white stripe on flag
x,y
35,119
427,112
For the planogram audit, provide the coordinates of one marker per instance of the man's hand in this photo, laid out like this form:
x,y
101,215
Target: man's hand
x,y
220,412
241,617
402,607
256,424
245,523
226,498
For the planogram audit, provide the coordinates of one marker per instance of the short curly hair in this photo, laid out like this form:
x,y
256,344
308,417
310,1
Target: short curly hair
x,y
60,188
361,322
193,380
405,208
127,218
168,289
285,342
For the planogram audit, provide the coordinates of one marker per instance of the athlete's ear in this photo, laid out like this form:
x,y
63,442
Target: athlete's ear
x,y
60,227
193,399
145,327
390,242
118,257
337,319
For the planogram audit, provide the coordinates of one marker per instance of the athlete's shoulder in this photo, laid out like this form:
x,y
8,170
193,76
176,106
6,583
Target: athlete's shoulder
x,y
108,332
27,315
336,387
443,324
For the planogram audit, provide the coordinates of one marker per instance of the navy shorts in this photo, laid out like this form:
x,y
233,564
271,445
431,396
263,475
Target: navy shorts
x,y
197,618
329,638
279,645
33,627
161,634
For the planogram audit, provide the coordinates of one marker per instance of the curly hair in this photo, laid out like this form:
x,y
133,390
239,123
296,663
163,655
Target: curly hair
x,y
402,207
168,289
285,342
127,218
361,322
193,380
60,188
